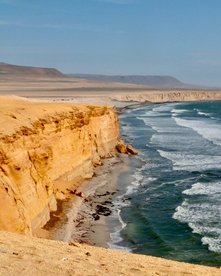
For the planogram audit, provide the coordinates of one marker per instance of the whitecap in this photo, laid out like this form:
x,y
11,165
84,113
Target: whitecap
x,y
202,218
191,162
214,244
206,129
211,188
199,112
163,108
136,183
176,112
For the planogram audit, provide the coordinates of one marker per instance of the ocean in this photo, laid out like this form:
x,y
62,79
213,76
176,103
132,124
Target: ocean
x,y
171,205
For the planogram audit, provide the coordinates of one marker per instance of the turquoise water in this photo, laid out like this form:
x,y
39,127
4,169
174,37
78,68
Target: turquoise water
x,y
172,206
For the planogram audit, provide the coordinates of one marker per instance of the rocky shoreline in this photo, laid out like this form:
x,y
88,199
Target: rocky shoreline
x,y
83,218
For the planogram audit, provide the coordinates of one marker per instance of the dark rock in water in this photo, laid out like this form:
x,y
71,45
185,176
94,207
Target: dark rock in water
x,y
131,150
102,210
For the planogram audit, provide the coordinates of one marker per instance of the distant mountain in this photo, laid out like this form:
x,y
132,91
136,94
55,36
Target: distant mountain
x,y
8,70
164,82
151,81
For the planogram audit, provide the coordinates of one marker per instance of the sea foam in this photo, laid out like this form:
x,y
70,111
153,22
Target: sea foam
x,y
192,162
203,216
211,188
206,129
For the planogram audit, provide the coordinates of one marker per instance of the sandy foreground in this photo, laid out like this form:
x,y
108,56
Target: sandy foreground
x,y
33,256
20,255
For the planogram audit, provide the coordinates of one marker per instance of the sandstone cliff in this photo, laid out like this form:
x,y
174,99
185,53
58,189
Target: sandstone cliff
x,y
45,149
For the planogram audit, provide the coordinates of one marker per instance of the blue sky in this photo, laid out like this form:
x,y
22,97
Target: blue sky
x,y
181,38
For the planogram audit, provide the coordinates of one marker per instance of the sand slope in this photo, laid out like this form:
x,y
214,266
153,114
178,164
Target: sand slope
x,y
20,255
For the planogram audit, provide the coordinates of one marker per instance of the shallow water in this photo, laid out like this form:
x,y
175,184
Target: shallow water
x,y
172,206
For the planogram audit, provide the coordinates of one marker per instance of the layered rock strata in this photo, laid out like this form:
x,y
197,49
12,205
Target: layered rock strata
x,y
45,150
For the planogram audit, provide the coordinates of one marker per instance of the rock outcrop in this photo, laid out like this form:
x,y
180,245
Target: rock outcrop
x,y
46,149
131,150
121,147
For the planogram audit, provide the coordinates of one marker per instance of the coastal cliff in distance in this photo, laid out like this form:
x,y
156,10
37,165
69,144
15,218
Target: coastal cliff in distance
x,y
46,149
159,96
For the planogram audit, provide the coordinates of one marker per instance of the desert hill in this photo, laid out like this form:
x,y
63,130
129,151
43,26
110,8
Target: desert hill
x,y
146,80
8,70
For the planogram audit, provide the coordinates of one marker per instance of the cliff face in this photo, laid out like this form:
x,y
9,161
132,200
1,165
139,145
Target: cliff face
x,y
46,149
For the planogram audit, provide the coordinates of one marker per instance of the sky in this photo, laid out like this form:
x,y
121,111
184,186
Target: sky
x,y
180,38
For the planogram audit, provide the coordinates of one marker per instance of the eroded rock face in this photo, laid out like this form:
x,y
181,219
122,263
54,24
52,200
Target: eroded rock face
x,y
45,149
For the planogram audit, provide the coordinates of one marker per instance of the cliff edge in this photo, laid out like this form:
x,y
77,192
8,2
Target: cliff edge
x,y
46,149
